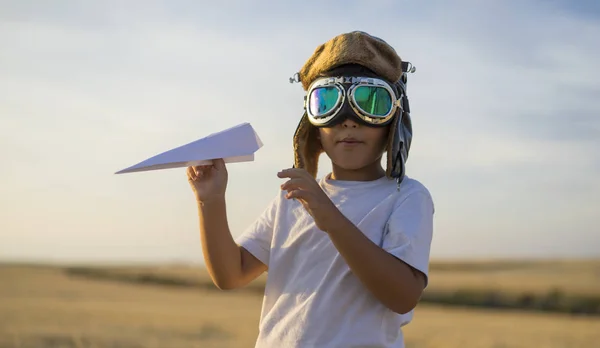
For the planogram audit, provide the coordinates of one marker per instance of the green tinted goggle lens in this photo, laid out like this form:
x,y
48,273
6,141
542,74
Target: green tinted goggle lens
x,y
373,100
323,99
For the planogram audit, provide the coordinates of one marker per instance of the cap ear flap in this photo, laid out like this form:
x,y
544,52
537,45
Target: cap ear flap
x,y
390,146
307,147
399,142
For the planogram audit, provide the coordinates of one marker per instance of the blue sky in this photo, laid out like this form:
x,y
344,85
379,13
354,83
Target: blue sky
x,y
504,104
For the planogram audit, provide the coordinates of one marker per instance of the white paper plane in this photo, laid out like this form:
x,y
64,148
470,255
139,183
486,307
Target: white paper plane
x,y
235,144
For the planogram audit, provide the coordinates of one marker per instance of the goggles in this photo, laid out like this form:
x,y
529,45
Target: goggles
x,y
373,100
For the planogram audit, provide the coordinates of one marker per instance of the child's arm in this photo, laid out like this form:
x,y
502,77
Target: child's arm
x,y
229,265
396,284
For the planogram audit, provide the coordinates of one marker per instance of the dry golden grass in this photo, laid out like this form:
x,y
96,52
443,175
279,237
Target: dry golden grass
x,y
44,307
552,286
575,277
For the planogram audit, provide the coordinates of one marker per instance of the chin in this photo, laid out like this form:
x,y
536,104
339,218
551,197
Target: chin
x,y
350,163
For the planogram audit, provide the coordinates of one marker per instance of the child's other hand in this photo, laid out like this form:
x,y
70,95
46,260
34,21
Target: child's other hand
x,y
303,187
208,182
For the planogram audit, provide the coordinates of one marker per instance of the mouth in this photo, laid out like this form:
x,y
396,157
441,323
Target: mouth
x,y
349,140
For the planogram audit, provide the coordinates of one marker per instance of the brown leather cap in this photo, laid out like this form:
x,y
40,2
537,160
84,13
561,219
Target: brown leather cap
x,y
355,47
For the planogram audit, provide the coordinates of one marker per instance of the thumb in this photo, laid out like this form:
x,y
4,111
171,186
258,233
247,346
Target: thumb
x,y
219,164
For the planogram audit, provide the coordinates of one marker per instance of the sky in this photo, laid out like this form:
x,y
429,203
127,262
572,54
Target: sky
x,y
505,103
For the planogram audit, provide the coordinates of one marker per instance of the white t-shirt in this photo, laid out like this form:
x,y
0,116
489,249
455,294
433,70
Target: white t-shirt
x,y
312,298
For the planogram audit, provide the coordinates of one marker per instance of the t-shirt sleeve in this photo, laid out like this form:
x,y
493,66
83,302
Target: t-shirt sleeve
x,y
410,231
258,236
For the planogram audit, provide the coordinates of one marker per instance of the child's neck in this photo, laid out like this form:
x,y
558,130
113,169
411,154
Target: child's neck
x,y
363,174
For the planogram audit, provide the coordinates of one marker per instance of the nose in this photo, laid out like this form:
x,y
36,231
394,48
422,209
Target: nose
x,y
347,115
349,123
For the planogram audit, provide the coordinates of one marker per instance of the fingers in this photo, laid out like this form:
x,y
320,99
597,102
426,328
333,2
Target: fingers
x,y
201,170
219,164
298,194
301,185
191,173
293,173
293,184
198,172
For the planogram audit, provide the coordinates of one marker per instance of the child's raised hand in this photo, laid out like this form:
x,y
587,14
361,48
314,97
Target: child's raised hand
x,y
303,187
208,181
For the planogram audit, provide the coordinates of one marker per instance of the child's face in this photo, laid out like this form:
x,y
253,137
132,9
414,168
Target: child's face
x,y
349,144
353,146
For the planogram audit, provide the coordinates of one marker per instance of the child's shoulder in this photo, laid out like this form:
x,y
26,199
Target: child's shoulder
x,y
412,188
411,185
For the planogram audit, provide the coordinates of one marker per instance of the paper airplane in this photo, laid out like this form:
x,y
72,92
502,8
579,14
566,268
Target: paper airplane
x,y
235,144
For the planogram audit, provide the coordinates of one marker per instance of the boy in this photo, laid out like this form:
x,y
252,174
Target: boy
x,y
347,255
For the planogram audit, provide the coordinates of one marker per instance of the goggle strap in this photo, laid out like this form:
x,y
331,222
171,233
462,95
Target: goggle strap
x,y
349,79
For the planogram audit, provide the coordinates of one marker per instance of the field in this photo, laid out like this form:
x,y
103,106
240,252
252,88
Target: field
x,y
176,306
